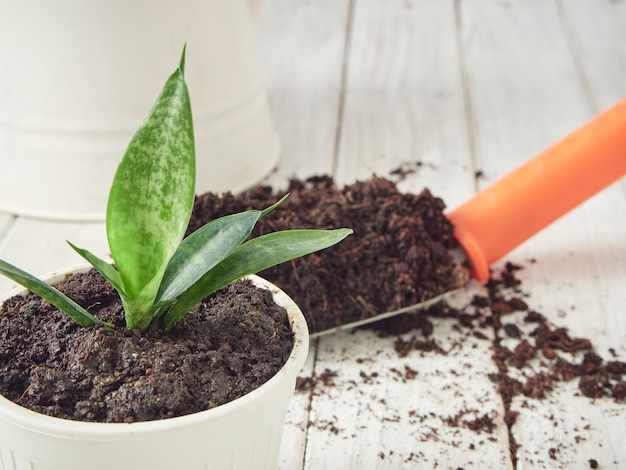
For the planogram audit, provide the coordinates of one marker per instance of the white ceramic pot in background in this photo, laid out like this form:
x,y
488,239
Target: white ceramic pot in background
x,y
244,434
78,76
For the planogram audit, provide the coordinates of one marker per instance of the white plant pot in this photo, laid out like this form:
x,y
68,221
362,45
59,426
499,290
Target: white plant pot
x,y
78,77
242,434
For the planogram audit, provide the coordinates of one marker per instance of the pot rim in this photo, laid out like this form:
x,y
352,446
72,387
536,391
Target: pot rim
x,y
23,417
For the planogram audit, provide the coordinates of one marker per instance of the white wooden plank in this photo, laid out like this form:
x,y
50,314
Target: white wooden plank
x,y
404,104
599,34
529,87
578,283
563,430
525,89
386,411
580,269
301,46
39,246
5,222
578,438
404,98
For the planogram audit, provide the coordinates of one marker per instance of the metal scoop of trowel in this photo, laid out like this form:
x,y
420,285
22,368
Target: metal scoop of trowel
x,y
507,213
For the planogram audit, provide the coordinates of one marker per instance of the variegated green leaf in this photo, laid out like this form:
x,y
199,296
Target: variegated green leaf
x,y
152,195
251,257
202,250
205,248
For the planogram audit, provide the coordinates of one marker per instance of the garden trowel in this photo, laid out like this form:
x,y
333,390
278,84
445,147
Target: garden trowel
x,y
513,209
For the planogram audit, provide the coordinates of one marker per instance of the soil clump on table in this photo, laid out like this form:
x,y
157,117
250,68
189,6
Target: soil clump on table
x,y
544,354
228,345
552,346
398,256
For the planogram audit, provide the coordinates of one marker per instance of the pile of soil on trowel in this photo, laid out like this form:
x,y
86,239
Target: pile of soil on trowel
x,y
398,256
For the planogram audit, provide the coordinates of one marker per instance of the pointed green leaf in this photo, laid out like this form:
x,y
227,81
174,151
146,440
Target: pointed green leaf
x,y
104,268
152,195
251,257
49,293
269,209
205,248
202,250
181,64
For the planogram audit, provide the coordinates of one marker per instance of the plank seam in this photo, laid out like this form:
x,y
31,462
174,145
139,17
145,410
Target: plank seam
x,y
5,230
468,110
310,405
343,85
574,46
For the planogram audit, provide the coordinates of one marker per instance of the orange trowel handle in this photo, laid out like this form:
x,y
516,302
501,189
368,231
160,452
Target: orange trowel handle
x,y
513,209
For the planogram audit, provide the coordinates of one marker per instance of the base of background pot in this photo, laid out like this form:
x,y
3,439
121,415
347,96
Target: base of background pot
x,y
61,175
242,434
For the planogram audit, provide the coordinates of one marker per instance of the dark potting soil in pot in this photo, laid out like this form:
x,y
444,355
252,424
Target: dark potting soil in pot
x,y
398,256
230,344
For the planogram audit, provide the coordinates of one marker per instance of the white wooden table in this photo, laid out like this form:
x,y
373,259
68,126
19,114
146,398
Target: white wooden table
x,y
363,86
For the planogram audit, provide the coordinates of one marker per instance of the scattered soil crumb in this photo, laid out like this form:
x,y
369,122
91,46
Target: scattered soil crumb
x,y
557,351
399,255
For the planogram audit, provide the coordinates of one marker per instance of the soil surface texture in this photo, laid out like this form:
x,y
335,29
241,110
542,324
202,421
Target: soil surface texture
x,y
398,256
230,344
